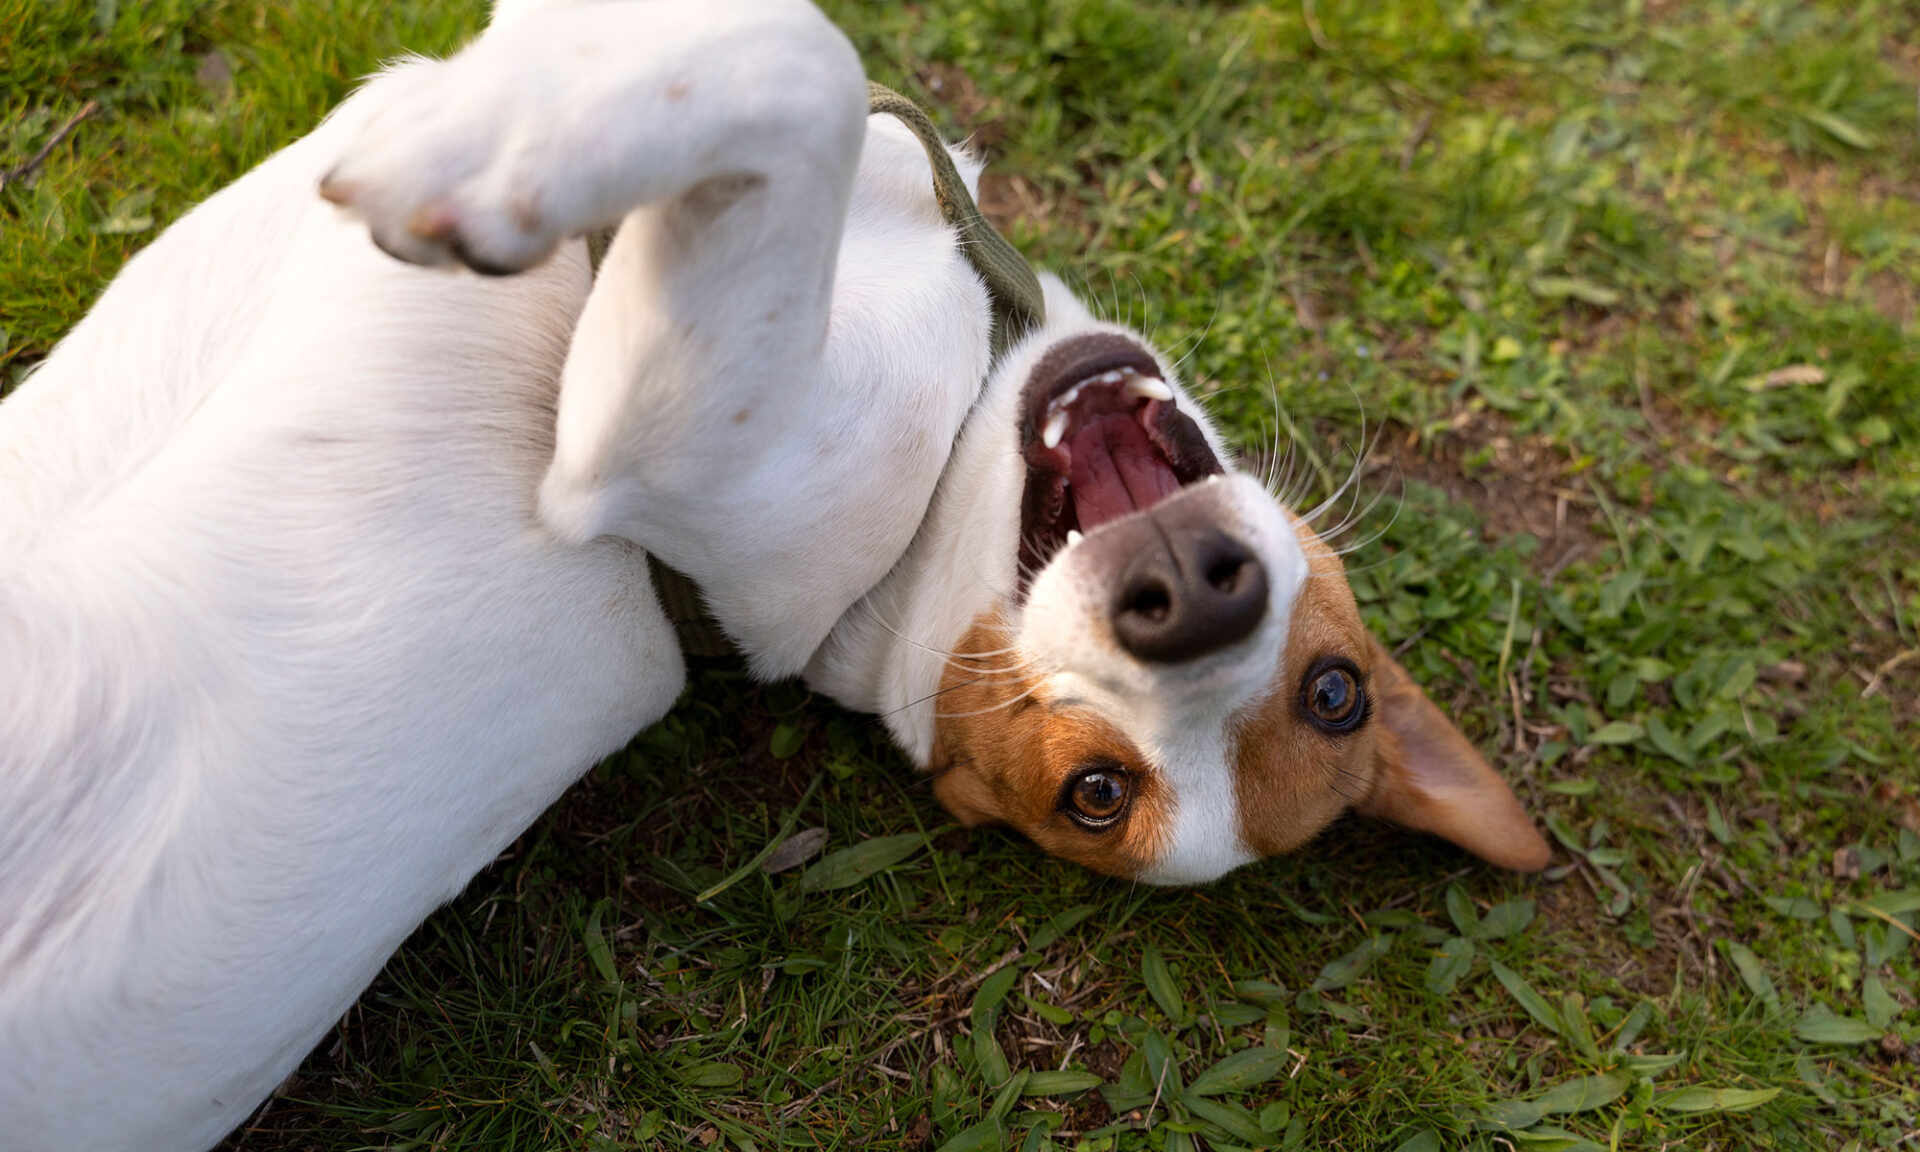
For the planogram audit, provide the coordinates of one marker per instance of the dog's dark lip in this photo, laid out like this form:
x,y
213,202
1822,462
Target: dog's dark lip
x,y
1072,361
1048,510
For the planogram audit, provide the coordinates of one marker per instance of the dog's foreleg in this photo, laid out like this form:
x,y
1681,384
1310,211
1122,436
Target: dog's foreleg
x,y
722,137
564,119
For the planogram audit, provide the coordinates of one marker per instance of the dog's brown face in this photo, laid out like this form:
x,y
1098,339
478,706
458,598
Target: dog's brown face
x,y
1184,684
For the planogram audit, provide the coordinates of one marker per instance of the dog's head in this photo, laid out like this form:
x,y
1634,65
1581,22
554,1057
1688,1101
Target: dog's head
x,y
1180,682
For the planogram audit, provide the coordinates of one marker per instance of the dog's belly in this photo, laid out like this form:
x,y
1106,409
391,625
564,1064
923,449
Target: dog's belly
x,y
288,656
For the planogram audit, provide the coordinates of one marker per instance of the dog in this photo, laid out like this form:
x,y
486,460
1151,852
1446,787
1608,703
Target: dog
x,y
324,567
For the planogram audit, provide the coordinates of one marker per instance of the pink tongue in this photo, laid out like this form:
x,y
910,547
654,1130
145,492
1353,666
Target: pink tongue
x,y
1115,470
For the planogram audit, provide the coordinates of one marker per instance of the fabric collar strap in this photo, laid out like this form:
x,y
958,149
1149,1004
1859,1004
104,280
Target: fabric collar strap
x,y
1012,289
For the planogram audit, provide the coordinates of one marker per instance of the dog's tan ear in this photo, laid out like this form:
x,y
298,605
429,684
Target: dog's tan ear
x,y
1431,778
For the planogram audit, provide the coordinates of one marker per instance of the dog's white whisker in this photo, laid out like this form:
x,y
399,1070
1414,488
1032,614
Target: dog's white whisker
x,y
1353,475
1269,433
1378,535
1348,571
1353,518
1008,671
1193,343
951,655
1285,494
1146,306
982,655
1000,707
1354,514
934,695
1354,472
1298,480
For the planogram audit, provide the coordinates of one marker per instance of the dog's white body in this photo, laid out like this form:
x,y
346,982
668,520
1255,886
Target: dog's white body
x,y
289,653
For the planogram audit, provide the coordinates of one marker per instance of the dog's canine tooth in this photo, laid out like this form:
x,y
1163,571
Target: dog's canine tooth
x,y
1149,387
1056,428
1074,537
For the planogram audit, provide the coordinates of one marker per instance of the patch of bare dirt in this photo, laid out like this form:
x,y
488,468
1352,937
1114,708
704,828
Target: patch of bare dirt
x,y
1828,268
1517,484
1005,198
1903,53
963,104
958,104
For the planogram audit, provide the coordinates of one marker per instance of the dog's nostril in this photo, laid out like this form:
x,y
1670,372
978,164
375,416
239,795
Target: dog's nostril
x,y
1150,601
1224,573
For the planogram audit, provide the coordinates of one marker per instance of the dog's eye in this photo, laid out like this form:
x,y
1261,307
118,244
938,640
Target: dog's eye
x,y
1097,796
1334,700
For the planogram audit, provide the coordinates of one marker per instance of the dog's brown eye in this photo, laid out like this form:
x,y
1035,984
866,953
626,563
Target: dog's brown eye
x,y
1097,797
1333,697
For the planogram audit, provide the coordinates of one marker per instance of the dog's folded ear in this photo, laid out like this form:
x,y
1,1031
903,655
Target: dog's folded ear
x,y
1430,777
963,792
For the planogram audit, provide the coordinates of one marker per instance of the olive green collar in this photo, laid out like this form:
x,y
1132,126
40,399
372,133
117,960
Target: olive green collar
x,y
1012,287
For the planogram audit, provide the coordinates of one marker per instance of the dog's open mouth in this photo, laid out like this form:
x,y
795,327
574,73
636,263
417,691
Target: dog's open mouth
x,y
1102,439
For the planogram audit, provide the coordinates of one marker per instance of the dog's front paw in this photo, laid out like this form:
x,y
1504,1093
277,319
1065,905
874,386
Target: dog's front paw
x,y
447,172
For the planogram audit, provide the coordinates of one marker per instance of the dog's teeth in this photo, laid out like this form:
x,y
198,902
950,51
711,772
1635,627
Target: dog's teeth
x,y
1074,537
1056,428
1112,377
1150,388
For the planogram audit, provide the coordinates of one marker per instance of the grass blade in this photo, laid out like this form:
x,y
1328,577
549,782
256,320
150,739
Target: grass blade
x,y
1535,1004
856,865
1239,1072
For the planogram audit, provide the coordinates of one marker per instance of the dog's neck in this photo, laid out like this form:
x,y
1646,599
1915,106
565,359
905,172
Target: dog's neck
x,y
887,655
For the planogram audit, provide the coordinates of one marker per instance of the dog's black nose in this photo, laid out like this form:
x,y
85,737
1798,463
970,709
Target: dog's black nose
x,y
1192,591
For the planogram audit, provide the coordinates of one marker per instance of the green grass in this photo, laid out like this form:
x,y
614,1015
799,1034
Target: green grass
x,y
1627,293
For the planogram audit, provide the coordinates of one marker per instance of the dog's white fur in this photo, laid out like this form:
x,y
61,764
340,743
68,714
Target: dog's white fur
x,y
321,573
305,614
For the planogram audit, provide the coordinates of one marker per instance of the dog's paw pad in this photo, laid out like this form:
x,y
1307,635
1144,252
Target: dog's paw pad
x,y
438,179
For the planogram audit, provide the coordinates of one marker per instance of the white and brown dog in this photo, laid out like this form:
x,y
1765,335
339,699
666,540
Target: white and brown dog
x,y
323,573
